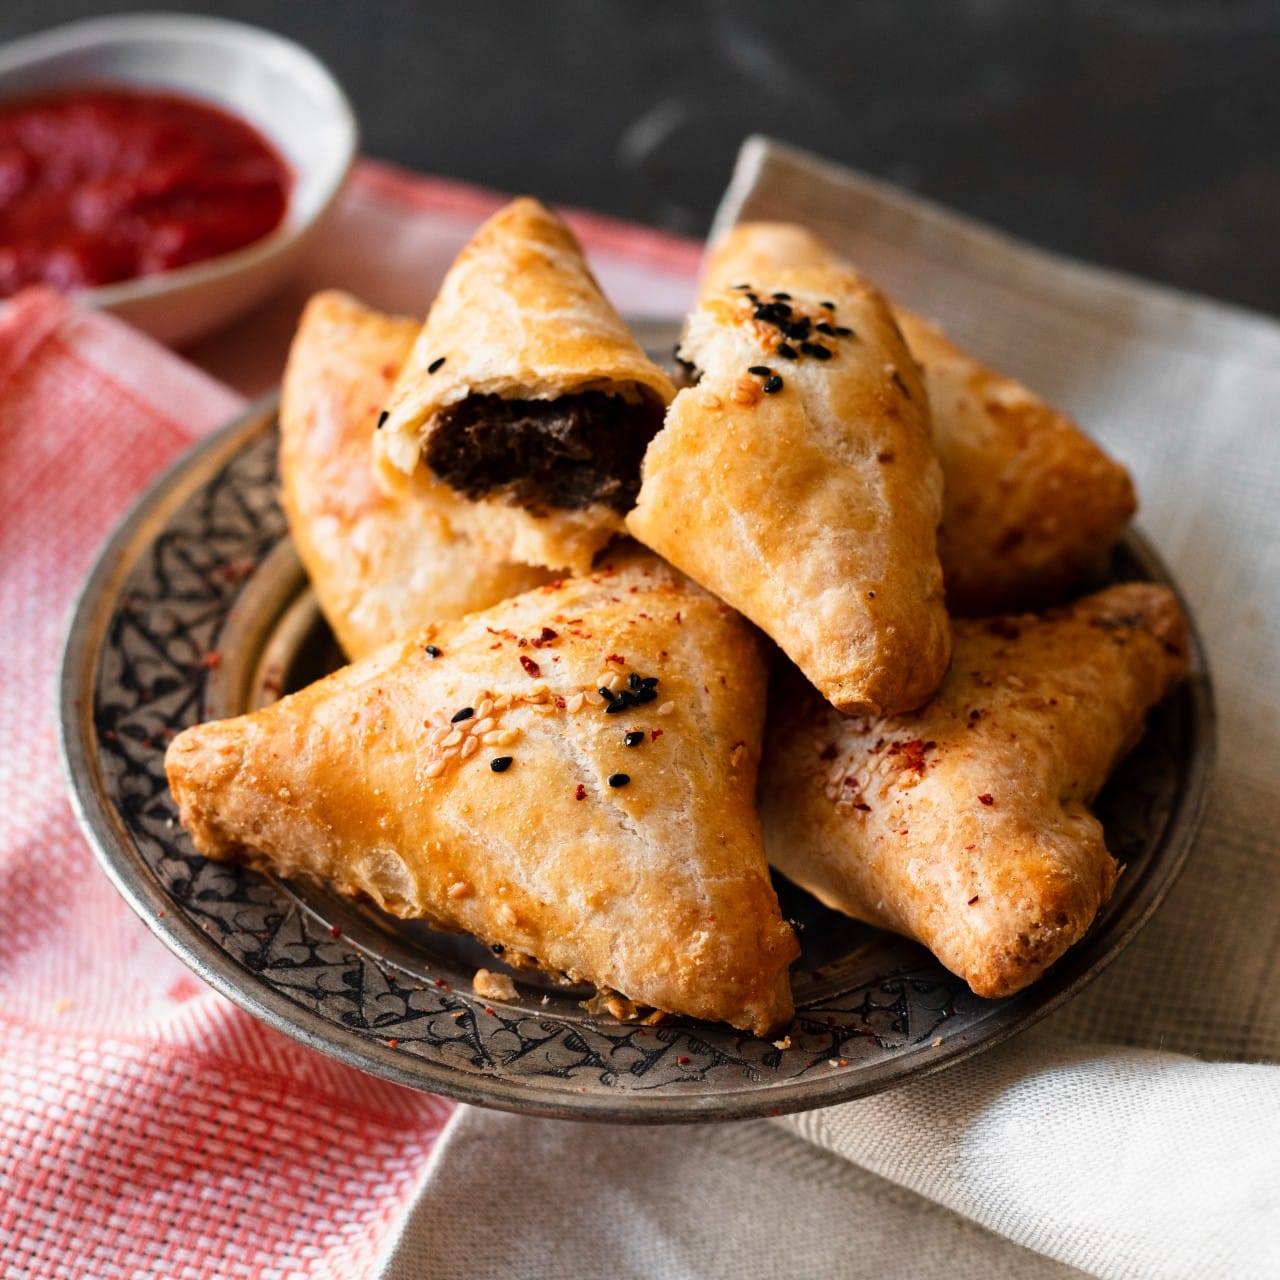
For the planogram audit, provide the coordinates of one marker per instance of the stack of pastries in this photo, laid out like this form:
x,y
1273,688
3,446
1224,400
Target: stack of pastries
x,y
617,647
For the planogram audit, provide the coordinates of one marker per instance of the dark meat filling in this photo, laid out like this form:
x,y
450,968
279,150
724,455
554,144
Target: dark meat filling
x,y
565,453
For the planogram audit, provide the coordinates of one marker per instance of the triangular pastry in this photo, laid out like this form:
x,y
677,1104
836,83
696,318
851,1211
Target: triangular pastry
x,y
966,825
474,776
797,479
380,564
1030,505
526,393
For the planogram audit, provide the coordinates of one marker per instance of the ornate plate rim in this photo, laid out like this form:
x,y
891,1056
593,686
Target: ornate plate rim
x,y
124,865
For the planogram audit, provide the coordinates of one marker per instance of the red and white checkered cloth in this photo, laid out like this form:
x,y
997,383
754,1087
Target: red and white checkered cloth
x,y
147,1126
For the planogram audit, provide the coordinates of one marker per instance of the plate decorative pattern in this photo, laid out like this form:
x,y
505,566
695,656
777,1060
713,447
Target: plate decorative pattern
x,y
198,607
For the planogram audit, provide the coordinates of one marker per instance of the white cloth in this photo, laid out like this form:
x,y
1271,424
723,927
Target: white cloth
x,y
1135,1132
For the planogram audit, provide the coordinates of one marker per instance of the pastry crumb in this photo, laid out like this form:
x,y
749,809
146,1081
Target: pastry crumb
x,y
784,1043
493,986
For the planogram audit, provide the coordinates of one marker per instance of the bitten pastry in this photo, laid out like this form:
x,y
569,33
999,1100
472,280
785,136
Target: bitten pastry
x,y
965,825
475,776
797,479
1031,505
526,393
380,565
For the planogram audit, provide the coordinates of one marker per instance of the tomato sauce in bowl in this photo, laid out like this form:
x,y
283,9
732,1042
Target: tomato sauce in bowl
x,y
100,185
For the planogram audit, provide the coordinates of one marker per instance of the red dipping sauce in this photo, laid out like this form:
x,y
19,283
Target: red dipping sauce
x,y
102,185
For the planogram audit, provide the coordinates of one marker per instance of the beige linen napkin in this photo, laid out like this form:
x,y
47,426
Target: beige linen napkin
x,y
1136,1132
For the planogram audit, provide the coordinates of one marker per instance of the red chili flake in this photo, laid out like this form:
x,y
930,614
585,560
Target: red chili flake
x,y
560,703
110,735
212,659
392,1043
678,617
973,899
969,848
334,931
489,1011
531,667
438,981
580,793
866,808
618,658
544,637
682,1060
985,797
655,734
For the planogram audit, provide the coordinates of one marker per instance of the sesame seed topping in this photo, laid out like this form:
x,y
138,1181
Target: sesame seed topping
x,y
741,286
435,364
432,651
823,327
760,370
500,764
465,714
830,306
619,779
772,385
382,419
470,747
786,351
783,297
666,709
796,329
816,351
435,769
633,737
843,331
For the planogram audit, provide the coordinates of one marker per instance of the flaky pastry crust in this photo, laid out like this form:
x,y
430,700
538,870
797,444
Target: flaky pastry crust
x,y
966,825
519,316
806,494
472,776
380,564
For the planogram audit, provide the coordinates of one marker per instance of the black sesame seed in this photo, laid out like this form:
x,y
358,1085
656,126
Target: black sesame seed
x,y
382,419
645,695
497,948
786,352
772,384
649,682
617,706
760,370
619,779
823,327
500,764
830,306
783,297
843,331
796,329
435,364
633,737
465,714
902,386
432,651
814,350
742,286
754,297
605,692
633,680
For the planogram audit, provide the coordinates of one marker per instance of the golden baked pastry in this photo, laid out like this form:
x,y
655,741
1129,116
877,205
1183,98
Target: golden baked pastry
x,y
1030,504
797,479
473,776
380,564
526,393
965,825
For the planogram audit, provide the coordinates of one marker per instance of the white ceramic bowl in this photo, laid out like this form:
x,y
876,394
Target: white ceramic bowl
x,y
280,88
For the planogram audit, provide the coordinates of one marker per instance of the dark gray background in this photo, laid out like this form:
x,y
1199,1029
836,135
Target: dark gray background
x,y
1138,133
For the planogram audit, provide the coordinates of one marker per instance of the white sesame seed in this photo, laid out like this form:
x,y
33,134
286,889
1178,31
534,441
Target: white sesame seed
x,y
435,768
470,747
481,727
666,709
507,736
483,708
453,739
575,702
